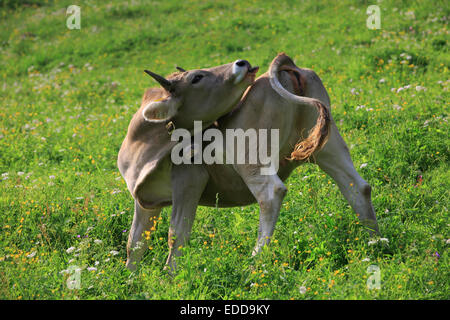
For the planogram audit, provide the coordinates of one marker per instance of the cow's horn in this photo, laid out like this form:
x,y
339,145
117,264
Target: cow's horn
x,y
166,84
180,69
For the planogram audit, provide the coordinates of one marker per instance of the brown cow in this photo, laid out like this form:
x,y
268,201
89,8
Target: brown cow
x,y
287,98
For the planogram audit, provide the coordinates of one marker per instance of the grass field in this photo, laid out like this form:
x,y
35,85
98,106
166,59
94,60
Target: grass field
x,y
66,99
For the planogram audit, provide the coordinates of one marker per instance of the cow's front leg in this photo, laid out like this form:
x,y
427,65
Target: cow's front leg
x,y
269,191
188,183
335,160
143,220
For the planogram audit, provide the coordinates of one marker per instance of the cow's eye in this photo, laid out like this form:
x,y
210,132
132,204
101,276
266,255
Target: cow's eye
x,y
197,78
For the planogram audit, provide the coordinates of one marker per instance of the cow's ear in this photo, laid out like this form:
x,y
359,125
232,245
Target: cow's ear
x,y
161,110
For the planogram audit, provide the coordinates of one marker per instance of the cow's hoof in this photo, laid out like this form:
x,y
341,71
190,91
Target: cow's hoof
x,y
131,266
371,226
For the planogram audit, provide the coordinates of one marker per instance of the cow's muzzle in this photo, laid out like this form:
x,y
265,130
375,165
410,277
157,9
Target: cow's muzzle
x,y
242,68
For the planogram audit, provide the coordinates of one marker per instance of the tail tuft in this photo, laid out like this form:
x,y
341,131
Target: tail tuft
x,y
317,136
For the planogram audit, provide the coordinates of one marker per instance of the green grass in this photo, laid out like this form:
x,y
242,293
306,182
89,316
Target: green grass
x,y
66,99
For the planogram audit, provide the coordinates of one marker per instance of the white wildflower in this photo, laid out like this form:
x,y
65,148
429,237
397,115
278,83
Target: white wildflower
x,y
420,88
71,249
371,242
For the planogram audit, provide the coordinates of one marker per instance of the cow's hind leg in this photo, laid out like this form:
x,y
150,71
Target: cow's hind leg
x,y
143,220
335,160
188,183
269,191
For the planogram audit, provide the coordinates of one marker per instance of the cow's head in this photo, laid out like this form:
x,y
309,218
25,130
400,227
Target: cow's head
x,y
203,94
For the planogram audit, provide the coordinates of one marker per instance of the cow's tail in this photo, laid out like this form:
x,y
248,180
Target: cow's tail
x,y
318,135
